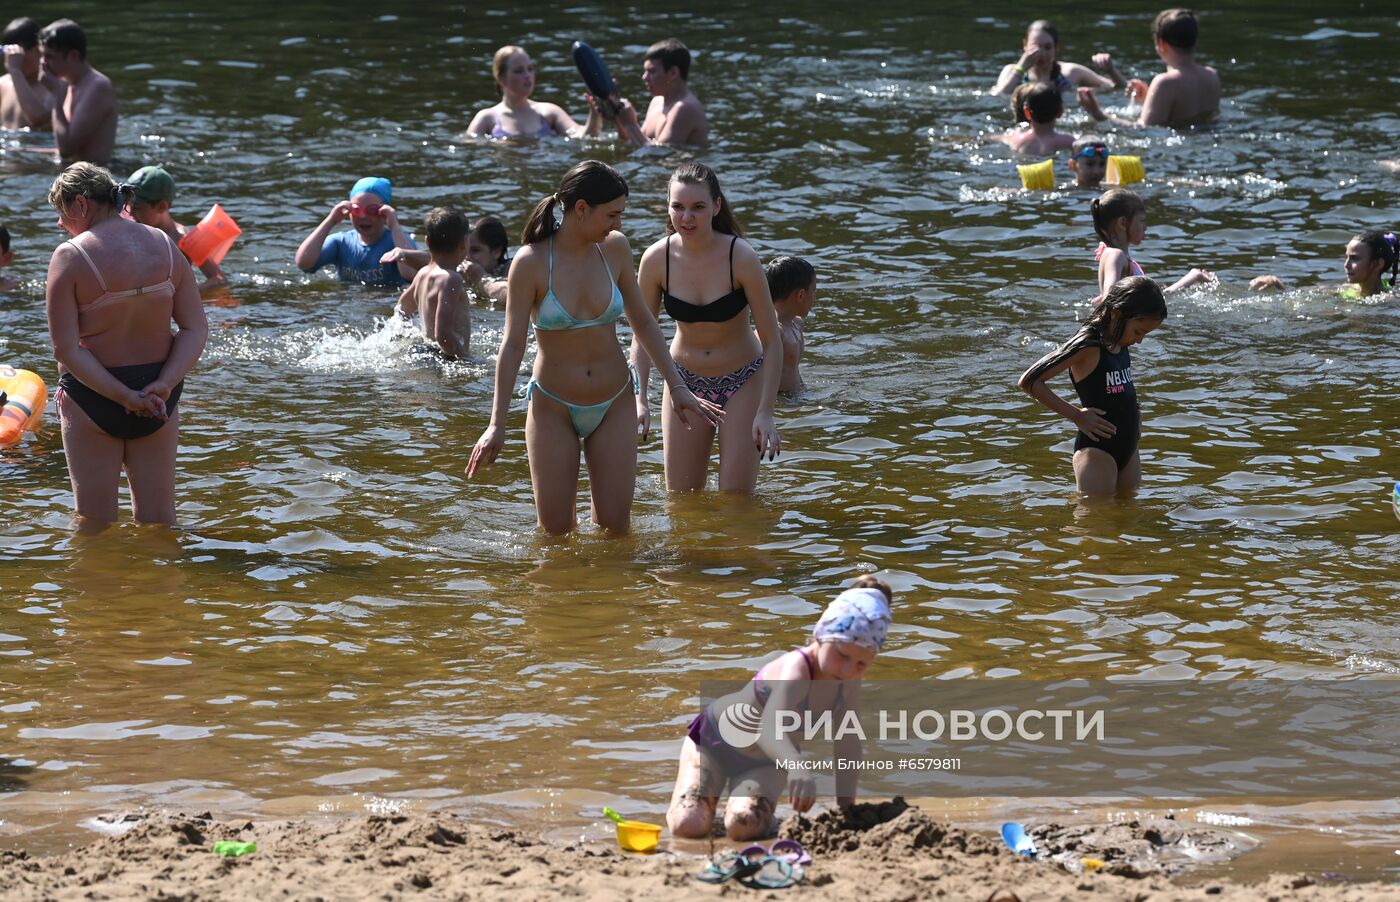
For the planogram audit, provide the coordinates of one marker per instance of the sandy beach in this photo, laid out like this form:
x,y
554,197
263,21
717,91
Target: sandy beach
x,y
879,852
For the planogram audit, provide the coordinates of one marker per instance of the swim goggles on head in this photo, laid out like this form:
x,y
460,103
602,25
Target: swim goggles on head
x,y
373,211
1092,152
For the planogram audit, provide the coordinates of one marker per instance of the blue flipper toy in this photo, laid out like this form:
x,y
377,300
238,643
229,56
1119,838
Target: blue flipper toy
x,y
597,78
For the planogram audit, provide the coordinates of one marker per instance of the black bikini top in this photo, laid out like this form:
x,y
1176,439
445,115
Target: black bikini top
x,y
720,310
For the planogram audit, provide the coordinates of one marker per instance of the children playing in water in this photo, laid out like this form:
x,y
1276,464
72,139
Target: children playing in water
x,y
1106,446
1120,220
438,293
152,192
1088,160
1186,94
674,115
1039,105
357,254
84,114
485,267
25,100
822,676
6,257
792,283
1038,65
1369,256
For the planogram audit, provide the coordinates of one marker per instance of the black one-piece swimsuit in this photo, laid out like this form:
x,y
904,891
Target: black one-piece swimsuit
x,y
1110,388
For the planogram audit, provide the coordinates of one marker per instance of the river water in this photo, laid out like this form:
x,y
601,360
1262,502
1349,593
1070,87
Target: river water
x,y
345,623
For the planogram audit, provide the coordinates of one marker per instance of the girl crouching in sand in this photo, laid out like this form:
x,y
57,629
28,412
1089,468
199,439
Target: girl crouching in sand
x,y
1106,448
823,675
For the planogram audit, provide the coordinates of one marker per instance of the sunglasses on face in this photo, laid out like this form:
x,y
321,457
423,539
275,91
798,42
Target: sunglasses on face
x,y
1091,152
373,211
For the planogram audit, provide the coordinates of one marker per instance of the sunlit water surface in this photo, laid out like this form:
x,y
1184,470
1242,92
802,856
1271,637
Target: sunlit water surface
x,y
344,622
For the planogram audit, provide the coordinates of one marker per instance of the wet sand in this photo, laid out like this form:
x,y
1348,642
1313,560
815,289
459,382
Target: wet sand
x,y
878,852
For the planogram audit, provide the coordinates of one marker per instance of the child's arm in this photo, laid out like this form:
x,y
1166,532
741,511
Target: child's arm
x,y
790,685
483,122
451,303
1157,105
401,240
308,256
526,276
36,106
1090,102
1082,355
214,277
1194,277
408,301
1114,264
649,284
1012,74
848,747
408,257
1104,62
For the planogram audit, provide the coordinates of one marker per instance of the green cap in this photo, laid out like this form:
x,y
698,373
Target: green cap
x,y
151,183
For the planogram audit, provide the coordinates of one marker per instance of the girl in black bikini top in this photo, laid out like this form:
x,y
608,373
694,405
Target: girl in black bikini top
x,y
720,310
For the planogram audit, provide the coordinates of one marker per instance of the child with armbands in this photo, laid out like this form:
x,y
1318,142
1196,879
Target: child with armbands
x,y
792,283
1120,220
6,257
438,291
1088,160
357,254
485,267
1368,258
152,192
1106,446
1038,104
823,675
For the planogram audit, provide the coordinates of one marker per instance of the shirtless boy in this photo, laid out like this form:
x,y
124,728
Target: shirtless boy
x,y
674,116
85,113
438,293
1040,105
792,282
25,101
1186,94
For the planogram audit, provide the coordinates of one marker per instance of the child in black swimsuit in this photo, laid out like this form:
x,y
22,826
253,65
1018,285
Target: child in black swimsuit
x,y
1106,448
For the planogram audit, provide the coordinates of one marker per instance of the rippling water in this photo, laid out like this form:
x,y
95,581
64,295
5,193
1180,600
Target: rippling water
x,y
345,621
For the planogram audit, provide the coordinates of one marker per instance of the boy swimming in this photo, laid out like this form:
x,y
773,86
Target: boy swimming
x,y
1186,94
1039,105
438,292
1088,160
357,254
792,282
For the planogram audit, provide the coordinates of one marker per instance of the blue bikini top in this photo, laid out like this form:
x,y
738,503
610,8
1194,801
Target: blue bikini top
x,y
551,315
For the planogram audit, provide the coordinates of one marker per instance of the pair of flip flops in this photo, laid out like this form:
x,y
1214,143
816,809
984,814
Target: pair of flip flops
x,y
758,867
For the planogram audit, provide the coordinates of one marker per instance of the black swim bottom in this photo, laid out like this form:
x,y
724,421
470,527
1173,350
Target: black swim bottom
x,y
1121,446
111,417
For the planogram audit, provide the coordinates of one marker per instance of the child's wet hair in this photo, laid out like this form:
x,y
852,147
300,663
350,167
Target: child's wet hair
x,y
1130,298
788,274
1086,141
1384,247
491,232
1044,100
699,174
1114,204
869,581
671,54
592,182
4,240
446,229
1177,28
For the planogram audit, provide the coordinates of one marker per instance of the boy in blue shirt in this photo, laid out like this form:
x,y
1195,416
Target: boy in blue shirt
x,y
356,253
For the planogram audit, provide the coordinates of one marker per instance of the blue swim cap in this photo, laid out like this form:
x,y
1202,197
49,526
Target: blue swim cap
x,y
374,185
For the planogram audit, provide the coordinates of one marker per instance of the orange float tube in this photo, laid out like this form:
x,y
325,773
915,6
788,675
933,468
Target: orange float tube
x,y
211,239
25,399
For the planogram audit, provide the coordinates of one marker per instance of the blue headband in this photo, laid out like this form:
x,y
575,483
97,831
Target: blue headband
x,y
374,185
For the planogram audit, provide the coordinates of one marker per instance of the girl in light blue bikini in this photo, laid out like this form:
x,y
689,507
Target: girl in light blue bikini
x,y
580,371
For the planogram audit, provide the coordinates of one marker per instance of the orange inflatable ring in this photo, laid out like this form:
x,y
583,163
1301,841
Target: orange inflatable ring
x,y
25,399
